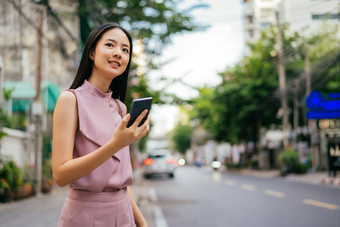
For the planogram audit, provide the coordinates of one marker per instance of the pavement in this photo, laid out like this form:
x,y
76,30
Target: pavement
x,y
312,177
44,210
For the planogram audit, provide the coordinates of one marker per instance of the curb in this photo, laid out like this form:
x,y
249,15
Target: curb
x,y
320,178
331,181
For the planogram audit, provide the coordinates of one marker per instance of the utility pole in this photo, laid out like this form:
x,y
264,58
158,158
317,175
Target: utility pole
x,y
1,81
37,105
282,80
312,127
296,112
307,73
1,97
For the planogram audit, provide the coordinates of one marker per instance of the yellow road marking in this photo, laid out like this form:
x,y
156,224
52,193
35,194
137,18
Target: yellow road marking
x,y
248,187
320,204
275,193
229,183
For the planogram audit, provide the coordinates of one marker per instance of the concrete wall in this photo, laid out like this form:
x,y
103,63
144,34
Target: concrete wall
x,y
18,146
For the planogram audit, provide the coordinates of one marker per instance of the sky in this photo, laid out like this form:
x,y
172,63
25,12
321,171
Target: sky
x,y
198,57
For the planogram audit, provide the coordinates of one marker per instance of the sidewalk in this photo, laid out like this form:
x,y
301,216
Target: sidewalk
x,y
309,177
44,210
40,211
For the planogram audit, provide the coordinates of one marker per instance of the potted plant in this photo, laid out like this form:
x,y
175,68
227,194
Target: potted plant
x,y
12,175
4,191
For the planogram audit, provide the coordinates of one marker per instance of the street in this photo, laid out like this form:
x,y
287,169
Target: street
x,y
201,197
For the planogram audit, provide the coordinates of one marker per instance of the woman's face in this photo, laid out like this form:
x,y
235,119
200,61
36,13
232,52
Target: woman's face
x,y
111,55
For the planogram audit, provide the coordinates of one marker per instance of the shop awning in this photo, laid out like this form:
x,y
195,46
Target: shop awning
x,y
24,94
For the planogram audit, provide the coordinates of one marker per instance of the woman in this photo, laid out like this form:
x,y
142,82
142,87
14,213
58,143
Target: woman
x,y
90,137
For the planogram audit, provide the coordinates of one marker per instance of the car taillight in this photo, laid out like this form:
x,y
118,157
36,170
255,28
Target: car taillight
x,y
169,161
148,161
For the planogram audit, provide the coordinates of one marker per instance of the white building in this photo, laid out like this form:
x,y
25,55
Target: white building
x,y
19,22
259,15
307,16
304,16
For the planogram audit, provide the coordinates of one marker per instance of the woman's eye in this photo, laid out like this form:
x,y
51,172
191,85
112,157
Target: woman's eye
x,y
126,50
109,44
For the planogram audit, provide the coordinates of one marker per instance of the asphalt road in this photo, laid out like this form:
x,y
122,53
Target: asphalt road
x,y
201,197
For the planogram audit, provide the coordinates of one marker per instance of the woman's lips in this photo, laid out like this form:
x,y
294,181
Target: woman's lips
x,y
114,63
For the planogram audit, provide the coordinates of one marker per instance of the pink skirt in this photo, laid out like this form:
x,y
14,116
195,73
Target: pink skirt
x,y
103,209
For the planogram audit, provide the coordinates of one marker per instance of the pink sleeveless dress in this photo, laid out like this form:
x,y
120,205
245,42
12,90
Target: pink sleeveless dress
x,y
100,198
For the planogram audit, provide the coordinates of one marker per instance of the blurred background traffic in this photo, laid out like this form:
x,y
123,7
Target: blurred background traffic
x,y
247,84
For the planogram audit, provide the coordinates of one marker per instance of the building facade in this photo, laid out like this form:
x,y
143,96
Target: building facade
x,y
19,25
308,16
258,15
303,16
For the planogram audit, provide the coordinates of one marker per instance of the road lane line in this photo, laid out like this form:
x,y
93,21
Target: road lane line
x,y
248,187
320,204
153,195
159,218
160,221
229,183
217,177
275,193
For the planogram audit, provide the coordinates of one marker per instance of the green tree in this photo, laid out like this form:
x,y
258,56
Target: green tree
x,y
248,97
182,138
151,21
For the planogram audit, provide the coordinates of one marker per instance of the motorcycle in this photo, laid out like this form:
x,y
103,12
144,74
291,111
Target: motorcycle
x,y
216,164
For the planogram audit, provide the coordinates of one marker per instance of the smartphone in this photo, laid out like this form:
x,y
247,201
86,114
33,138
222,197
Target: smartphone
x,y
137,107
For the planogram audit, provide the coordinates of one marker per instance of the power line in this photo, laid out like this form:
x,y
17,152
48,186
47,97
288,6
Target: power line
x,y
30,22
50,12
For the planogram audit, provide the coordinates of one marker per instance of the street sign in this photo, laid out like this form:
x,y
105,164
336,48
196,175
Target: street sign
x,y
321,107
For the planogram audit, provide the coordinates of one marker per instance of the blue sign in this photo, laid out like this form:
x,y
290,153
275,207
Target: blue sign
x,y
322,108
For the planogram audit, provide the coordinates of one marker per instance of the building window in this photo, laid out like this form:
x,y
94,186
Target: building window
x,y
327,16
250,19
251,33
265,25
266,12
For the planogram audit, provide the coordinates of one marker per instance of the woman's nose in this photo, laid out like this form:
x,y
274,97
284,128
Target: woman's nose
x,y
117,53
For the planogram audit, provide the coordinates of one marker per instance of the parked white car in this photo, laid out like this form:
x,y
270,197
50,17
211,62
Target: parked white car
x,y
159,162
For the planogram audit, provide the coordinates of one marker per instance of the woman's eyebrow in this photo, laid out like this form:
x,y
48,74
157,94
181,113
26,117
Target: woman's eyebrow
x,y
114,41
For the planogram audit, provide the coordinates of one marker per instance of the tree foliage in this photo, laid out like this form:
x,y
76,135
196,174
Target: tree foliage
x,y
182,138
152,21
249,98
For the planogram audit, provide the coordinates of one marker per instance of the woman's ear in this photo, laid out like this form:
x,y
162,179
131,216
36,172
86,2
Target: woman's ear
x,y
91,55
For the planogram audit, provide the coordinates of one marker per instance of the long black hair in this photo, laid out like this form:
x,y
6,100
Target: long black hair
x,y
118,85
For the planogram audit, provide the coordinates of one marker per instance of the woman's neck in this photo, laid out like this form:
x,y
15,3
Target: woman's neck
x,y
99,83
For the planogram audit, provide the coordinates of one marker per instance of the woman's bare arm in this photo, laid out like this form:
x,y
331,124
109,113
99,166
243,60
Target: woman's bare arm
x,y
138,216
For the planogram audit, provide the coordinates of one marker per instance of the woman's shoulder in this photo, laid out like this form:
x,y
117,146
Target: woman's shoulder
x,y
67,97
66,105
